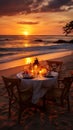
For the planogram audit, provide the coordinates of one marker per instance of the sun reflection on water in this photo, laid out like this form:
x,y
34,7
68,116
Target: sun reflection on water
x,y
28,60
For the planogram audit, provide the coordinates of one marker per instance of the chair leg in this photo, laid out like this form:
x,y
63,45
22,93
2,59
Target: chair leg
x,y
62,101
44,102
68,103
19,115
9,115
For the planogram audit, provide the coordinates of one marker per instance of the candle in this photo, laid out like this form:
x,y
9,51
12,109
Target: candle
x,y
40,73
35,67
43,71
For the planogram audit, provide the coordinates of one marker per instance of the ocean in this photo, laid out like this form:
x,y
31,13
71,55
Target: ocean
x,y
16,47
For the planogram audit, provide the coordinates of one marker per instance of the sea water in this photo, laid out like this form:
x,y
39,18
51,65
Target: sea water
x,y
16,47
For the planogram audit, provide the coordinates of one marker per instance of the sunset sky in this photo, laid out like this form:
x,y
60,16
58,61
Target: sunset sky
x,y
34,17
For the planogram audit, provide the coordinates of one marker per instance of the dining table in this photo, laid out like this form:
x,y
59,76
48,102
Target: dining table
x,y
40,84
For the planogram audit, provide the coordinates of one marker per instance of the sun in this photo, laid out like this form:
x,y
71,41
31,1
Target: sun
x,y
26,33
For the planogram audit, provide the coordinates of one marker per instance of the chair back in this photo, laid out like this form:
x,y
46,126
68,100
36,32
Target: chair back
x,y
22,98
67,81
55,65
14,90
11,85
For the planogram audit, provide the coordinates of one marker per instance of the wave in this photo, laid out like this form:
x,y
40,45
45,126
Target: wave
x,y
16,47
28,48
7,54
25,55
58,46
11,52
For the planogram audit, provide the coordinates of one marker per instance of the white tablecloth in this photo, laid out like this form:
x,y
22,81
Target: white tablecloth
x,y
40,85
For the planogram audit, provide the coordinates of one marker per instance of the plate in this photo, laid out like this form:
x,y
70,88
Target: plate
x,y
49,76
29,77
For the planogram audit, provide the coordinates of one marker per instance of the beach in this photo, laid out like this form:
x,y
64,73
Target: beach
x,y
55,118
36,52
66,57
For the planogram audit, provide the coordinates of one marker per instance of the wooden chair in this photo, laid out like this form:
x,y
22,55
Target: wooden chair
x,y
21,98
55,66
62,94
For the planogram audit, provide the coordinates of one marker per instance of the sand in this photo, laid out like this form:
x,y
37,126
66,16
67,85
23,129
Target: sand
x,y
55,118
67,64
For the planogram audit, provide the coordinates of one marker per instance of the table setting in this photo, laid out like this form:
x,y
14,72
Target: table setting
x,y
36,70
36,76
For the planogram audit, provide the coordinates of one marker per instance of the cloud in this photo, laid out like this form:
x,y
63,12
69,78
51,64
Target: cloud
x,y
58,3
15,7
28,22
56,6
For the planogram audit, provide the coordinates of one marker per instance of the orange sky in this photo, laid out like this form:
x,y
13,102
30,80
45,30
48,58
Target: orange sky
x,y
43,17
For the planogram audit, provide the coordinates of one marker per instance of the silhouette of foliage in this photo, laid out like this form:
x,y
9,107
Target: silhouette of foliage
x,y
68,28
